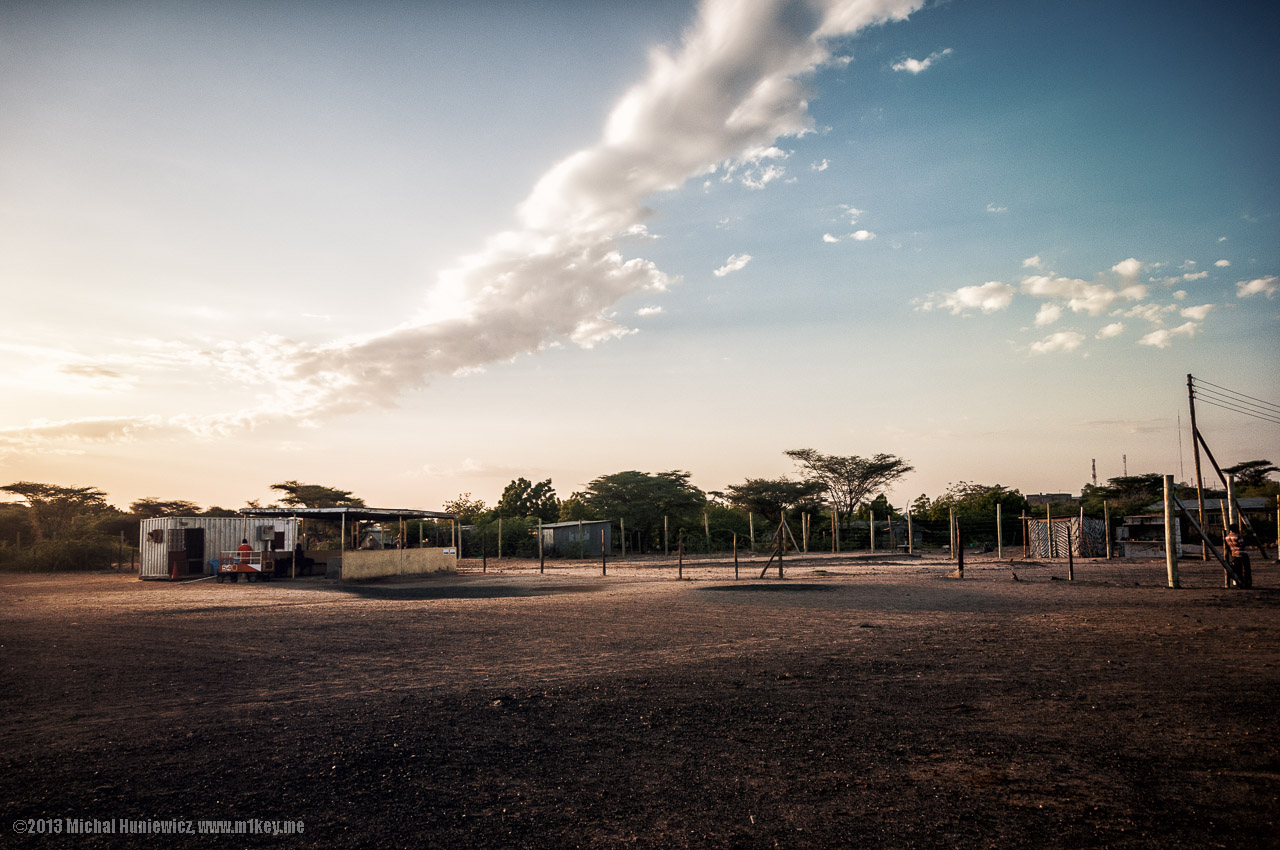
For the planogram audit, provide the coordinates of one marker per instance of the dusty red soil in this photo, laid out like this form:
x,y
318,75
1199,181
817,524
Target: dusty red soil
x,y
859,703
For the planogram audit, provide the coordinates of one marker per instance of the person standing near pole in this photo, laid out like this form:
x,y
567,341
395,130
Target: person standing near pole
x,y
1239,557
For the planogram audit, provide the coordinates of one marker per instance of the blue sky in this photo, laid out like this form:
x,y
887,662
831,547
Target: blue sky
x,y
420,249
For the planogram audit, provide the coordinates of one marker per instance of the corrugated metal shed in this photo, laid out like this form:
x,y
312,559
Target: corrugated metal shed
x,y
183,546
562,537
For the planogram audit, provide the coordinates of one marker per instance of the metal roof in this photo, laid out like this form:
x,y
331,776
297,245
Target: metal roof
x,y
372,514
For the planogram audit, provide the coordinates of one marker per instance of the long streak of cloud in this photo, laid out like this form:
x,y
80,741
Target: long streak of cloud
x,y
719,102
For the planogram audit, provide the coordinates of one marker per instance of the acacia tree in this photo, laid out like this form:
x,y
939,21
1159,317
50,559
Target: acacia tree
x,y
53,511
299,495
769,497
848,481
1252,474
151,508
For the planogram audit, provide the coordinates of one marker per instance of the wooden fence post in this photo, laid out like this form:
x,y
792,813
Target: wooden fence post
x,y
1106,522
1170,546
951,515
735,556
999,534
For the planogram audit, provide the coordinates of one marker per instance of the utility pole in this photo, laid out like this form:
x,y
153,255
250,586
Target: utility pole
x,y
1195,445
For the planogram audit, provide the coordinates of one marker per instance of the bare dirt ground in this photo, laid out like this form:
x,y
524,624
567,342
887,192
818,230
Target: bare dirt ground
x,y
858,703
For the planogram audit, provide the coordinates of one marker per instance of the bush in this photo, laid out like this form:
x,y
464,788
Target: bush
x,y
61,555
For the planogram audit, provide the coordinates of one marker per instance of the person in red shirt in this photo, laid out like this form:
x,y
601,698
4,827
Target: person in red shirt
x,y
1239,557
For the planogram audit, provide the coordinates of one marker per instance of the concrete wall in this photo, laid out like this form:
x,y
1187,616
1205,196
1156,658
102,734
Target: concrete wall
x,y
377,563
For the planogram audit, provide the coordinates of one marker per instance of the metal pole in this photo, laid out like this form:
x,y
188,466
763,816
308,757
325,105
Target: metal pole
x,y
1170,550
604,565
706,527
735,556
911,538
542,560
871,526
622,530
666,546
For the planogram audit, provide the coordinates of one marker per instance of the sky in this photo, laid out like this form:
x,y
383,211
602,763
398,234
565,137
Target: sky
x,y
415,250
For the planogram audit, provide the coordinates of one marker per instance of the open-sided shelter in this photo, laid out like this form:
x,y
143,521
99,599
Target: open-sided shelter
x,y
350,562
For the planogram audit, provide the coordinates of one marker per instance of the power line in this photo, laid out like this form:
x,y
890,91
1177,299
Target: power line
x,y
1226,399
1241,395
1243,412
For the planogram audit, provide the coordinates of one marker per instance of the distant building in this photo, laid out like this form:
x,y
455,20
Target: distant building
x,y
562,538
1044,499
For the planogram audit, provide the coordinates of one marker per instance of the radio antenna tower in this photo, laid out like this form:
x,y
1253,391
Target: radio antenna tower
x,y
1124,459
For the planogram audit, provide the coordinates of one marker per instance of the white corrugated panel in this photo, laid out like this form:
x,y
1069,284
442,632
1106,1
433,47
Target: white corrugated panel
x,y
192,542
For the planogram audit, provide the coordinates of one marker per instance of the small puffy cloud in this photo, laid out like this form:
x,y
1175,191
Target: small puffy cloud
x,y
862,235
853,213
646,312
1048,314
1179,295
990,297
1164,337
827,237
1195,275
1061,341
1222,264
916,66
735,263
1197,313
820,166
639,231
1112,330
1222,239
992,208
1267,286
1152,313
1033,262
755,169
1127,269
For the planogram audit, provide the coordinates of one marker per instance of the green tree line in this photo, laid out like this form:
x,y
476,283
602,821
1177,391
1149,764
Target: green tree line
x,y
54,527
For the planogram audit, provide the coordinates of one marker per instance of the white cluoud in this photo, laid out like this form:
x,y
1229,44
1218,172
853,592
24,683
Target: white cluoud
x,y
733,88
720,101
